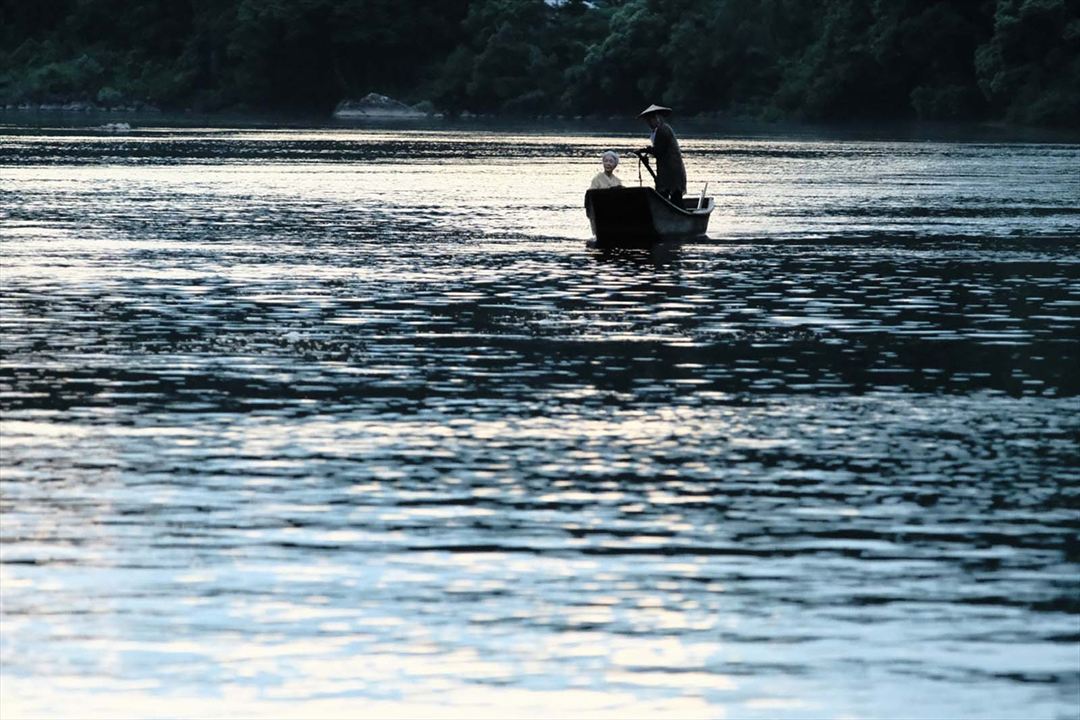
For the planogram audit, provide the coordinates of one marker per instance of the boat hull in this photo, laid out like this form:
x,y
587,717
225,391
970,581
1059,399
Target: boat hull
x,y
640,217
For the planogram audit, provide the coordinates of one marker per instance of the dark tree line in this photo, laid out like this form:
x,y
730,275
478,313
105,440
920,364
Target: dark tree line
x,y
1017,60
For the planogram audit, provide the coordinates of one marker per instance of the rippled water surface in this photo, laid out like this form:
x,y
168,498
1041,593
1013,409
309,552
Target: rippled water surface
x,y
319,422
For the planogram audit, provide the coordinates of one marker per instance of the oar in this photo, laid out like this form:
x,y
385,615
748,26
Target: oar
x,y
643,159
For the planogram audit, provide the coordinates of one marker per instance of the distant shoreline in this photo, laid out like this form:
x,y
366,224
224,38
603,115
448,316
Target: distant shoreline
x,y
58,115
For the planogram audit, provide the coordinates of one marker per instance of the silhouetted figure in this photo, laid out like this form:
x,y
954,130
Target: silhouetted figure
x,y
670,171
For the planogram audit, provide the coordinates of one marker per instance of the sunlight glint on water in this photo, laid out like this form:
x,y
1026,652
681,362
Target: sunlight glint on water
x,y
339,421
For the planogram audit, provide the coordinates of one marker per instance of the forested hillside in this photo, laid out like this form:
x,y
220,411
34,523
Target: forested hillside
x,y
1015,60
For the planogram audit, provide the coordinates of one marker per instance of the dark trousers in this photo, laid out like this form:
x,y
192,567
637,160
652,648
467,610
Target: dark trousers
x,y
675,196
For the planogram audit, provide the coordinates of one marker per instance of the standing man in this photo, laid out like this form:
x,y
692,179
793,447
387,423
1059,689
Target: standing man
x,y
670,171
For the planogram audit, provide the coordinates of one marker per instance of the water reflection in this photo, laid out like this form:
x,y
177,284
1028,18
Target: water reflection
x,y
348,422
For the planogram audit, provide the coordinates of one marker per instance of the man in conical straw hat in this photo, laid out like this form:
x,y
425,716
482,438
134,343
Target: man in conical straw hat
x,y
670,171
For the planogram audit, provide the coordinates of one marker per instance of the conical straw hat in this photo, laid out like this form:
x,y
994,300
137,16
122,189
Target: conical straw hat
x,y
655,109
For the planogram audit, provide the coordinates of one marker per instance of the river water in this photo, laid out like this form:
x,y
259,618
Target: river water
x,y
317,422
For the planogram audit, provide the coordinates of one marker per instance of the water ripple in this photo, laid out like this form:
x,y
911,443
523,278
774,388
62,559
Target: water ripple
x,y
342,421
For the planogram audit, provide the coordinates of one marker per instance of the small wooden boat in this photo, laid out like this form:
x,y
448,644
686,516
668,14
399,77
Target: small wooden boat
x,y
641,217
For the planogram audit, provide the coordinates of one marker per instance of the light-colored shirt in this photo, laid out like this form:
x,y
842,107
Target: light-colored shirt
x,y
603,181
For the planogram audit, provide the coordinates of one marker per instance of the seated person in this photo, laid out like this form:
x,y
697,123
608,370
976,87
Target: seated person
x,y
607,179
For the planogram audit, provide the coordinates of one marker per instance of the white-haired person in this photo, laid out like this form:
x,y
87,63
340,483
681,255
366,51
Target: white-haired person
x,y
606,178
